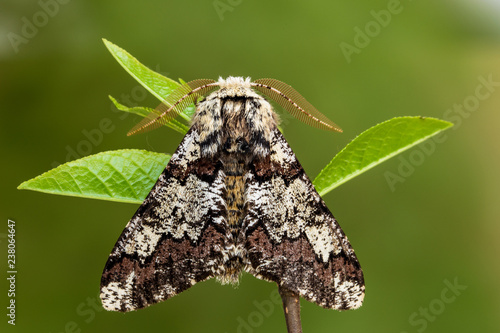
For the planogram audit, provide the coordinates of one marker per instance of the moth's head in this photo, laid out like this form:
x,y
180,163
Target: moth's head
x,y
234,82
234,86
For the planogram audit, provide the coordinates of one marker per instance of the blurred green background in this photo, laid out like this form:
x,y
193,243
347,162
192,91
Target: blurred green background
x,y
436,225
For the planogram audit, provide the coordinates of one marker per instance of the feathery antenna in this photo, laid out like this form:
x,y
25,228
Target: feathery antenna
x,y
294,103
186,94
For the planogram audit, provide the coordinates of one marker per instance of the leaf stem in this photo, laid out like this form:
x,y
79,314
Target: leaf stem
x,y
291,308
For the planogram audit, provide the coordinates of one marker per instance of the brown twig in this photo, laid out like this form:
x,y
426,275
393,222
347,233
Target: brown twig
x,y
291,307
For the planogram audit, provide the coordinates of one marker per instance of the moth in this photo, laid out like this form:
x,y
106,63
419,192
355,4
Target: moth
x,y
232,198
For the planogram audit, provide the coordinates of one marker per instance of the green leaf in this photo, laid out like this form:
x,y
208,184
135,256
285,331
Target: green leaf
x,y
119,175
374,146
145,111
157,84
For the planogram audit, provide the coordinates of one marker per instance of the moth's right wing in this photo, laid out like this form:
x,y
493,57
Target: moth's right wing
x,y
175,239
291,236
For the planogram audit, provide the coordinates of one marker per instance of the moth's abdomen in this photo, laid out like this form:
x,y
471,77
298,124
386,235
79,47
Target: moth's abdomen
x,y
235,191
234,170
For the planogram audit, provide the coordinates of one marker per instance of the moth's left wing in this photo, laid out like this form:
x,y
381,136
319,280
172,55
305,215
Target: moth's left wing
x,y
176,238
291,236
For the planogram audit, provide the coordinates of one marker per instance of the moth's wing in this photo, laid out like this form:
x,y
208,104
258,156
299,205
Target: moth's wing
x,y
175,238
291,236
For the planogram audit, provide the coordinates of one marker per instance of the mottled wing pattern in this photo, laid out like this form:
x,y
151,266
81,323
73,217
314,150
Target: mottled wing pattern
x,y
175,239
291,236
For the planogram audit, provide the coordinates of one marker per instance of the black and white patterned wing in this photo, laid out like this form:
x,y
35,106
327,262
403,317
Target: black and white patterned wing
x,y
175,239
291,236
